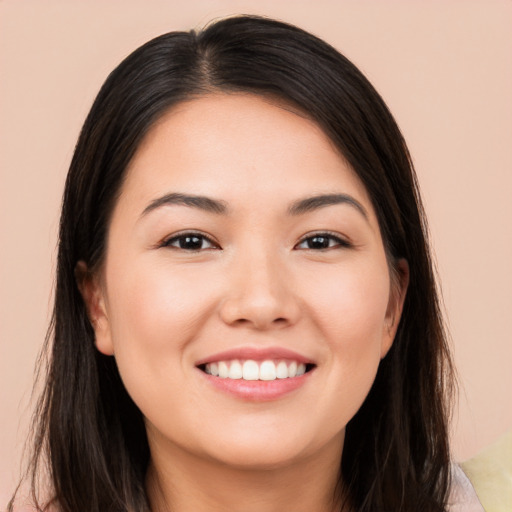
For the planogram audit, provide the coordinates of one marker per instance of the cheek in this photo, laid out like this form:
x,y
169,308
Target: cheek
x,y
154,313
156,307
350,305
351,313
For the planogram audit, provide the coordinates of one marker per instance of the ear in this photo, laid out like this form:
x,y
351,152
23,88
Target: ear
x,y
399,285
93,294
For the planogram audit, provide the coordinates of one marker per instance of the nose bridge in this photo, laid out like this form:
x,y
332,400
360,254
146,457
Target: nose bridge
x,y
260,292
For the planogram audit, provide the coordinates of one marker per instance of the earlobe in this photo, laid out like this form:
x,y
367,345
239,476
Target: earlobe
x,y
399,285
93,295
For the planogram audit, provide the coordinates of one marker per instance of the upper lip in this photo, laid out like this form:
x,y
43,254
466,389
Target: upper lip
x,y
256,354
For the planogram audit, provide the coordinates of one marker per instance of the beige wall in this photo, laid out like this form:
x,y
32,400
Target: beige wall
x,y
445,69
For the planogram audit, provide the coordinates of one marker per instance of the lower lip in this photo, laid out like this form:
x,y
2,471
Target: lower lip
x,y
258,390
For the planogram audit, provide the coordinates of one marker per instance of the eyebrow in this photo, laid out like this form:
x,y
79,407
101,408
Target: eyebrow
x,y
309,204
220,207
202,202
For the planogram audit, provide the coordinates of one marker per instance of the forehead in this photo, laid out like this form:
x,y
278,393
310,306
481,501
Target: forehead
x,y
236,145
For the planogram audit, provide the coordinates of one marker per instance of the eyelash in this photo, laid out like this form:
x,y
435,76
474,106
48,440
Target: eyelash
x,y
338,241
189,234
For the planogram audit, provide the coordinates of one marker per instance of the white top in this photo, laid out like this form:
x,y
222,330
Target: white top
x,y
463,497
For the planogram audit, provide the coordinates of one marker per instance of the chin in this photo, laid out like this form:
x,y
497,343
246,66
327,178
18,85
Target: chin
x,y
257,458
270,451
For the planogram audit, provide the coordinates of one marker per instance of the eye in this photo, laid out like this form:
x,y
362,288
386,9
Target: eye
x,y
190,242
322,241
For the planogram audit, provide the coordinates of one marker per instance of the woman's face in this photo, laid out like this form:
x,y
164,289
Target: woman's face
x,y
244,247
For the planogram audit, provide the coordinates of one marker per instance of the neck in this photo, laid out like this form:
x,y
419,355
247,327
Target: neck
x,y
184,482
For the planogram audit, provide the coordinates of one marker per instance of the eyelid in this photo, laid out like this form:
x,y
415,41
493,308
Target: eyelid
x,y
166,242
341,240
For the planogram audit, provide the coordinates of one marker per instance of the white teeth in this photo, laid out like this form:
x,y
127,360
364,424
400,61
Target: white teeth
x,y
214,369
268,370
282,370
235,370
253,370
223,370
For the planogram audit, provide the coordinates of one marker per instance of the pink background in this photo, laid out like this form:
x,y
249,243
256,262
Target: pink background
x,y
443,67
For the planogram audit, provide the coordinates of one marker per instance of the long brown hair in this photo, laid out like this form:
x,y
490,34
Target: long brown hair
x,y
87,429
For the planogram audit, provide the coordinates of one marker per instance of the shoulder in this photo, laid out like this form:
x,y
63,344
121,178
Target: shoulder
x,y
463,497
490,472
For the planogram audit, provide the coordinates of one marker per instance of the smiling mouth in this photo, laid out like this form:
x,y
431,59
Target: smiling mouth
x,y
251,370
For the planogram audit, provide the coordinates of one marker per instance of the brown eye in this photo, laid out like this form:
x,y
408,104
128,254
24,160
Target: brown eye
x,y
190,242
322,241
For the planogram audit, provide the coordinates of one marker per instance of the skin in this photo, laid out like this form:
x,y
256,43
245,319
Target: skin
x,y
160,308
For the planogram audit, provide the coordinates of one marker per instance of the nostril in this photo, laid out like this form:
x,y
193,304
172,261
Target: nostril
x,y
241,322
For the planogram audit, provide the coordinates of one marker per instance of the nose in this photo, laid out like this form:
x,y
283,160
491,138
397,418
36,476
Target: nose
x,y
261,294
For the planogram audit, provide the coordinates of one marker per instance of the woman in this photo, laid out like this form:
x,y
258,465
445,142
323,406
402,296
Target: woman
x,y
246,314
